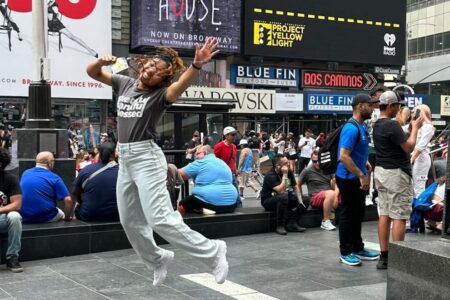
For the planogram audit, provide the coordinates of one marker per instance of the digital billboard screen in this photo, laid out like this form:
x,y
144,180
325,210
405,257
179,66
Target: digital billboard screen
x,y
182,23
369,32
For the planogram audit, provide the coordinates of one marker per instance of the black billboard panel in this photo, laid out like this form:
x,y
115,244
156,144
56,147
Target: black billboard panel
x,y
369,32
182,23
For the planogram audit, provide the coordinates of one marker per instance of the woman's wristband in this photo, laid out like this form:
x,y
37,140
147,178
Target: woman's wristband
x,y
195,67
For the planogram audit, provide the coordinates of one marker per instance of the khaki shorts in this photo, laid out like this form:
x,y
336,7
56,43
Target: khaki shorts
x,y
245,179
395,193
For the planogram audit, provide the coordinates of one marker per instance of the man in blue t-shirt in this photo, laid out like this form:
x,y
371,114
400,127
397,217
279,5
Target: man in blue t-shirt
x,y
41,189
214,189
96,195
353,181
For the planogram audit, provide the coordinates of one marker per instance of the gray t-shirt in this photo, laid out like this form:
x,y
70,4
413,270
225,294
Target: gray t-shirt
x,y
315,180
138,111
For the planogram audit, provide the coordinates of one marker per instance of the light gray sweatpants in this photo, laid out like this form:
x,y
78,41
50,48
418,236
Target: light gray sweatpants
x,y
144,206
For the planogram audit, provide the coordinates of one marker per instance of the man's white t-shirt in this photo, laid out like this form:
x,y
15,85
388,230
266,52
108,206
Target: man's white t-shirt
x,y
308,148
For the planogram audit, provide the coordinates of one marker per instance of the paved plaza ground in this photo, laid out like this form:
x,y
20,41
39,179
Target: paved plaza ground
x,y
264,266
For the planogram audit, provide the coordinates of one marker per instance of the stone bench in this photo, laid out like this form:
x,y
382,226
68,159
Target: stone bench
x,y
40,241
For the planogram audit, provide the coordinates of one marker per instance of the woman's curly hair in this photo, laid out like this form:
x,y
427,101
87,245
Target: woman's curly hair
x,y
173,61
5,158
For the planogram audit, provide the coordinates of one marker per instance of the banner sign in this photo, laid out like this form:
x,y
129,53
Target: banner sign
x,y
289,102
182,23
329,102
445,105
333,31
78,31
386,70
416,99
338,80
248,101
264,76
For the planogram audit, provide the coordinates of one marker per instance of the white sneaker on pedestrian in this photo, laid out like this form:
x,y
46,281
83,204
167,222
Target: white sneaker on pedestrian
x,y
220,271
160,273
327,225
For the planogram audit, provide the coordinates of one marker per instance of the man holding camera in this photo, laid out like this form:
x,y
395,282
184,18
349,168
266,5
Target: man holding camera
x,y
393,175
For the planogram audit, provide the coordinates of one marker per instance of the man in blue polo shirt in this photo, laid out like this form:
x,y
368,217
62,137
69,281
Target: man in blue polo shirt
x,y
41,189
214,189
353,181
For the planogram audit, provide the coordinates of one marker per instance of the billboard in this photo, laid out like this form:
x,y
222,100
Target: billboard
x,y
329,102
77,32
264,76
336,31
249,101
182,23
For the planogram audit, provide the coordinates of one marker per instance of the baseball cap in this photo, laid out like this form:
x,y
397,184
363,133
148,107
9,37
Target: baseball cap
x,y
228,130
243,142
362,98
390,97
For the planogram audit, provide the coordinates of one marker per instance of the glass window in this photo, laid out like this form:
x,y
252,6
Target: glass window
x,y
438,42
447,40
429,44
214,123
420,45
166,132
190,123
412,47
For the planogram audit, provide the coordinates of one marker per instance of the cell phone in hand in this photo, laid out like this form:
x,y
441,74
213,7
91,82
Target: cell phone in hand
x,y
417,114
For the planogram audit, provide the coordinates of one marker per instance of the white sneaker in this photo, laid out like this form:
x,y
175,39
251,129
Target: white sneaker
x,y
160,273
221,269
327,225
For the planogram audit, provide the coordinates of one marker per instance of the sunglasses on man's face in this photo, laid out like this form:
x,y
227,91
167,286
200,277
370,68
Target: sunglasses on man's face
x,y
315,161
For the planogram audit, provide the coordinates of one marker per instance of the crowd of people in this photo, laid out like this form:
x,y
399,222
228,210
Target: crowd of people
x,y
127,181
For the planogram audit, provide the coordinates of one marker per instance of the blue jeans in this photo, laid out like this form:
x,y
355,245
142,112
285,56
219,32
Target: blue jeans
x,y
144,206
12,224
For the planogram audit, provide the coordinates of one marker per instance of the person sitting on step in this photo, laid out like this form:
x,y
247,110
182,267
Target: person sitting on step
x,y
322,190
213,184
280,194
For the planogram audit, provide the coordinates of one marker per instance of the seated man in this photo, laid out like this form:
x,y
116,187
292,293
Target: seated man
x,y
280,193
95,188
214,189
322,190
41,190
10,220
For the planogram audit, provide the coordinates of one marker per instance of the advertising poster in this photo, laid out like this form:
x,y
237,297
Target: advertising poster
x,y
248,101
329,102
445,105
182,23
78,31
337,31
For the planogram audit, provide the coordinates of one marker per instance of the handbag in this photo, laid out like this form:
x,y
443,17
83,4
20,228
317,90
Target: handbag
x,y
424,201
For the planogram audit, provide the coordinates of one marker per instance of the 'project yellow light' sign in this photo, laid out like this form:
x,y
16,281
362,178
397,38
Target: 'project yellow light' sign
x,y
277,34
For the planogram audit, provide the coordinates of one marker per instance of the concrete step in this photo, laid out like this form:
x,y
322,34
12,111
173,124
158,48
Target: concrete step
x,y
50,240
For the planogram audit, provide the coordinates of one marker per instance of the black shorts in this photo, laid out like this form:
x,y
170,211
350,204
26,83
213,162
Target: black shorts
x,y
292,157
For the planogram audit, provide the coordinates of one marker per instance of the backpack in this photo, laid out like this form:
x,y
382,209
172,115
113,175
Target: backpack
x,y
328,153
